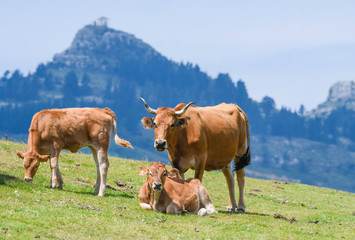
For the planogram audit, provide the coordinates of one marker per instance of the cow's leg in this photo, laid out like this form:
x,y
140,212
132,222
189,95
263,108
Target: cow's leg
x,y
200,167
103,165
175,164
199,173
173,208
56,180
206,206
241,182
98,177
229,175
59,177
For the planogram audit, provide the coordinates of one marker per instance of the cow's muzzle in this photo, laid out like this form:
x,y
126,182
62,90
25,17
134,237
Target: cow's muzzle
x,y
157,186
160,145
27,179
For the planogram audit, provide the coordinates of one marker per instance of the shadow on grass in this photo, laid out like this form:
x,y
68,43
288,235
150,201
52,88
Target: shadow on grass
x,y
4,178
247,213
257,214
107,194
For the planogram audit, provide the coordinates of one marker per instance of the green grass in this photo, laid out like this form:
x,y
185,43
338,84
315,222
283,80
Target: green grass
x,y
27,210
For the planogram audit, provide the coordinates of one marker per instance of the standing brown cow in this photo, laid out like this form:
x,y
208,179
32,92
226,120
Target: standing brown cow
x,y
206,138
70,129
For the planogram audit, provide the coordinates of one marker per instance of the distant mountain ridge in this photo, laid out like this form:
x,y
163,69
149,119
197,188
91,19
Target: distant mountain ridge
x,y
104,67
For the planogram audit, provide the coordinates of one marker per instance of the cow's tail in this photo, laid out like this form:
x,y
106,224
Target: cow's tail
x,y
241,162
118,140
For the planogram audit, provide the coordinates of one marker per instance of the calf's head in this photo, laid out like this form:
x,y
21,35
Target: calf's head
x,y
156,175
31,162
165,123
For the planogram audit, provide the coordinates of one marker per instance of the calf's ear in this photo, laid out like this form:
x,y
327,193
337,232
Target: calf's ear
x,y
147,122
44,158
144,171
20,154
174,173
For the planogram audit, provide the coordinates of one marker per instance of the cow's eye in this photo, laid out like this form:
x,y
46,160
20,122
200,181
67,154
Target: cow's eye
x,y
154,124
165,173
150,174
37,165
172,125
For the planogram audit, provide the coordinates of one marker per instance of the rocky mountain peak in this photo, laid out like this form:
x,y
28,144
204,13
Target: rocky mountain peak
x,y
341,94
343,91
98,46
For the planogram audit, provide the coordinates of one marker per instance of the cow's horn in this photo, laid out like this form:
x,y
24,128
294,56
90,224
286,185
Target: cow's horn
x,y
182,111
149,109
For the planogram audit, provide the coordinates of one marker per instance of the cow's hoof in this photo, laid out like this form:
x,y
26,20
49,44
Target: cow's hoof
x,y
202,212
230,209
212,212
240,210
101,194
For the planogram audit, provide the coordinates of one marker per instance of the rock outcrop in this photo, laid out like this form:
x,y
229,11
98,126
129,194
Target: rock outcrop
x,y
341,94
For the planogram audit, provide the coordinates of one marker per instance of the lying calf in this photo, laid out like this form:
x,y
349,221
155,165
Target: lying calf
x,y
165,191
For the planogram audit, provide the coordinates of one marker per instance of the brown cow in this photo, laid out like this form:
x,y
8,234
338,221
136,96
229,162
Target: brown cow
x,y
165,191
70,129
206,138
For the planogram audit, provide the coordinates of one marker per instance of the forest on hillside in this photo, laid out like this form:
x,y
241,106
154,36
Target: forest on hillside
x,y
22,96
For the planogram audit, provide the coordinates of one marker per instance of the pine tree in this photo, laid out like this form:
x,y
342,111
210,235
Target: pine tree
x,y
70,88
85,87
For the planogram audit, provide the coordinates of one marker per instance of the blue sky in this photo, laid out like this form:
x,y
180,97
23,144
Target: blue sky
x,y
292,51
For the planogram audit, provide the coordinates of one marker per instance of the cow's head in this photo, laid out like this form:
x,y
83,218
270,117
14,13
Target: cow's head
x,y
156,175
165,123
31,162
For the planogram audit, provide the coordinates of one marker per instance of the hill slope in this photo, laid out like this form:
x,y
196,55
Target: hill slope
x,y
275,210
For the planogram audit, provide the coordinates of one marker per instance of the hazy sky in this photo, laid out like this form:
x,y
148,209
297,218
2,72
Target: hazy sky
x,y
290,50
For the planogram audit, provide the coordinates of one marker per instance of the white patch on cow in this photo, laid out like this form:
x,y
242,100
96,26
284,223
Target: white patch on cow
x,y
210,209
202,212
146,206
192,162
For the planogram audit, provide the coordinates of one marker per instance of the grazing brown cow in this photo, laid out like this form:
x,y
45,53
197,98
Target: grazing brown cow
x,y
165,191
70,129
206,138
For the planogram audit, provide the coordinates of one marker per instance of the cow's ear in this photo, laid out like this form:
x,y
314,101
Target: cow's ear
x,y
181,122
44,158
147,122
174,173
20,154
144,171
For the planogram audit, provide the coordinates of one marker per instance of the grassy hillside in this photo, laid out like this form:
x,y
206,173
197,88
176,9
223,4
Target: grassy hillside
x,y
275,210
